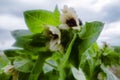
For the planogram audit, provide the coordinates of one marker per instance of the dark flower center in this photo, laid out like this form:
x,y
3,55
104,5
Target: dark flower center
x,y
71,22
53,36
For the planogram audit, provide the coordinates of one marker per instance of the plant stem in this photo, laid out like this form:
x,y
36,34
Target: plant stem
x,y
62,74
65,59
67,54
37,69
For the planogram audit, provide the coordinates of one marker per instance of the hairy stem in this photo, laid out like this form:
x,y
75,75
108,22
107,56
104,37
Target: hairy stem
x,y
65,59
37,69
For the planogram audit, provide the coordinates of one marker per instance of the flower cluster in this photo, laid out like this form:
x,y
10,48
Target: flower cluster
x,y
69,20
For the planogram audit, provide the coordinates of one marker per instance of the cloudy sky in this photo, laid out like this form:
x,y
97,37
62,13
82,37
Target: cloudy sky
x,y
107,11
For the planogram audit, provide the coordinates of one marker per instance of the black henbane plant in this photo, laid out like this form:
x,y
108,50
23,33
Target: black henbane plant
x,y
58,46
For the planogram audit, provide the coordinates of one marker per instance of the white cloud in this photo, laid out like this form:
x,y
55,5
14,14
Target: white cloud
x,y
6,40
93,5
78,3
111,29
30,4
11,22
6,44
111,33
99,4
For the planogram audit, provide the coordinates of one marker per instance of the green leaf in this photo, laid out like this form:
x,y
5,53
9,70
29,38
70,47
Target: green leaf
x,y
110,75
38,67
11,53
20,59
91,29
3,61
57,13
49,66
117,49
18,33
37,19
89,35
21,36
110,57
23,65
23,76
90,62
14,54
4,77
25,40
38,40
52,75
37,43
78,74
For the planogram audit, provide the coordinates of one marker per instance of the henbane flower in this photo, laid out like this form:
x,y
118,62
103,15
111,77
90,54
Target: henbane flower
x,y
69,19
10,70
55,38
